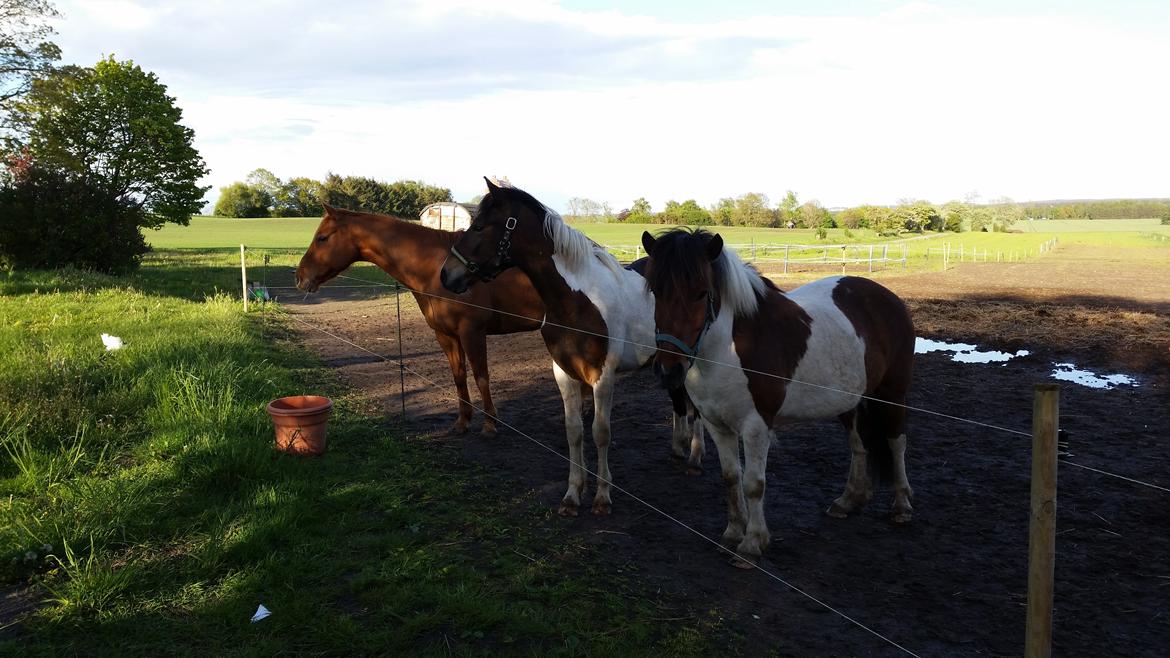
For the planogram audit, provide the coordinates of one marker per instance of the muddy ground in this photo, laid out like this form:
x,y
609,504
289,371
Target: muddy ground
x,y
953,582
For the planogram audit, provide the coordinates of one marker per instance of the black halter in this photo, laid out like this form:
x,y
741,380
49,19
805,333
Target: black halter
x,y
492,268
691,351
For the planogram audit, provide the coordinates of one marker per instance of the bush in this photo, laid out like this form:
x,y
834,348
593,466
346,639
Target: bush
x,y
242,200
50,219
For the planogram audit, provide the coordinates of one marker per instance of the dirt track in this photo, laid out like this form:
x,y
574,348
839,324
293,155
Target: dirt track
x,y
951,583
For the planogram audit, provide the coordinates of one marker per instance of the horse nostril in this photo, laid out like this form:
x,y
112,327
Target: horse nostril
x,y
443,277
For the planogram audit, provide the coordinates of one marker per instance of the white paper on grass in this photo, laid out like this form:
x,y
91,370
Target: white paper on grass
x,y
111,342
261,613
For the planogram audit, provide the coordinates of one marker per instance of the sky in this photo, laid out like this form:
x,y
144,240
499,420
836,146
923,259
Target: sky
x,y
845,103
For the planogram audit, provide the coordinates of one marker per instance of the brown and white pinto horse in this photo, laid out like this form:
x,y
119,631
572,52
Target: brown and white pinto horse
x,y
582,287
752,356
412,254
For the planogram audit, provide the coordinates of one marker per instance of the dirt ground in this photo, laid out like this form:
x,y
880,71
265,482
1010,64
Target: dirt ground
x,y
953,582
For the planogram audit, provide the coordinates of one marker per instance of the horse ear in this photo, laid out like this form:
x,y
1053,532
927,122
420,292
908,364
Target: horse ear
x,y
648,242
328,209
714,247
492,187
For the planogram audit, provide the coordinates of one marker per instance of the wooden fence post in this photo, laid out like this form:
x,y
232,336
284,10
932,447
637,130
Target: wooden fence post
x,y
786,259
1042,528
244,278
871,259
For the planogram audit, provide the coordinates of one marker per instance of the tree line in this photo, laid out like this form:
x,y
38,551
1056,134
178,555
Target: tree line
x,y
910,215
263,194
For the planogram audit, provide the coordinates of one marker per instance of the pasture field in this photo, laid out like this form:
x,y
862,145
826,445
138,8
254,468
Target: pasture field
x,y
145,512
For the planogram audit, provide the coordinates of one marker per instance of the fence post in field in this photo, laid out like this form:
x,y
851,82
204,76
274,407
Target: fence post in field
x,y
786,259
843,248
1042,527
244,278
905,252
753,248
871,259
637,251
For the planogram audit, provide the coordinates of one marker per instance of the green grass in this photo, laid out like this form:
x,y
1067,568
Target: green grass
x,y
224,232
1088,225
144,506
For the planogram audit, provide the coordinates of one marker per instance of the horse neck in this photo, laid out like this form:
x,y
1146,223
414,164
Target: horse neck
x,y
411,254
554,291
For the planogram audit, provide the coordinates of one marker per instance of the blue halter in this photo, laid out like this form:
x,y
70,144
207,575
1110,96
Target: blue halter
x,y
690,351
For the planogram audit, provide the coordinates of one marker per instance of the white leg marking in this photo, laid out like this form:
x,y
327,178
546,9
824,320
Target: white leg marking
x,y
903,511
575,434
602,403
727,444
756,440
698,446
858,489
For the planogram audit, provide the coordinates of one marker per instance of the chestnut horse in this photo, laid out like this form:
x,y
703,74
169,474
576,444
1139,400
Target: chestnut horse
x,y
752,356
412,254
600,315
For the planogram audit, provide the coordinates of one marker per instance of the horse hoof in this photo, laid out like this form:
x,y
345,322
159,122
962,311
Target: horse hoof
x,y
567,510
602,508
902,517
488,432
837,512
744,561
457,429
694,470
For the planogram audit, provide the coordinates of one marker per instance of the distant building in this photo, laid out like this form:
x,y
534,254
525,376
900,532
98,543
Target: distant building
x,y
447,215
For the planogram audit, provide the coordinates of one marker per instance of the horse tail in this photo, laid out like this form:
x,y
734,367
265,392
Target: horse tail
x,y
878,423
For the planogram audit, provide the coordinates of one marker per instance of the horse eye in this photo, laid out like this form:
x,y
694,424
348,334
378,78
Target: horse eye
x,y
322,238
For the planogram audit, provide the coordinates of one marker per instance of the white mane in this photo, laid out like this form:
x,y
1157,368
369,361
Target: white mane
x,y
741,285
572,246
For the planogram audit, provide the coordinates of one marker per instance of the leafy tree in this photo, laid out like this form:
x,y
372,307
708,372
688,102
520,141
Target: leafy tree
x,y
300,197
25,52
114,127
404,198
723,212
640,212
788,210
752,209
242,200
266,181
918,216
50,218
688,213
812,215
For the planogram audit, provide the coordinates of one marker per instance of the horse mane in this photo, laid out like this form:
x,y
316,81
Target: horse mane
x,y
574,248
409,225
679,264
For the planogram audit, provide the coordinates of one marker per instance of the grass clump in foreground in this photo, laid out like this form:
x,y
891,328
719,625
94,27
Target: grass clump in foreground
x,y
145,512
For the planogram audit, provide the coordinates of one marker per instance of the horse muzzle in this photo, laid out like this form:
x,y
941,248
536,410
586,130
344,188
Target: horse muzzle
x,y
672,375
307,284
456,281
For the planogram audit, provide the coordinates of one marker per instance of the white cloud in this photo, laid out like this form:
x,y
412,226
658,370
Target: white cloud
x,y
917,102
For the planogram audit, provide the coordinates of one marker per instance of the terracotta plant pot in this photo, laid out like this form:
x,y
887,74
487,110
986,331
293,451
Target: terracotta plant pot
x,y
300,423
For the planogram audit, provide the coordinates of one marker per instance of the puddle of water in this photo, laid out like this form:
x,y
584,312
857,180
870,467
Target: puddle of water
x,y
965,352
1065,372
1068,372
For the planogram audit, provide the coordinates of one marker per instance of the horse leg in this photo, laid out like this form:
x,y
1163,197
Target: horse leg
x,y
698,443
574,433
757,438
858,489
727,445
903,510
475,345
455,358
602,404
679,404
